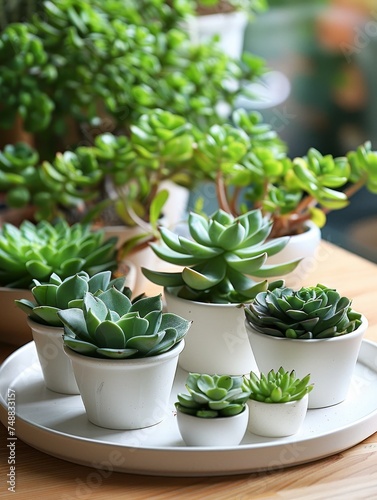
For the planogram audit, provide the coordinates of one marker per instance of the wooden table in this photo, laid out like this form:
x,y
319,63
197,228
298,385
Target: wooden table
x,y
349,475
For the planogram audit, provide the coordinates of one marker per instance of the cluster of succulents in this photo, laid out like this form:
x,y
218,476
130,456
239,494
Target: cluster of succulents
x,y
312,312
278,386
213,396
110,325
57,294
220,258
36,251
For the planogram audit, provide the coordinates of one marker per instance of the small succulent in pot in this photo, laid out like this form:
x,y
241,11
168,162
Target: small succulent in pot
x,y
212,396
110,325
220,257
58,294
279,386
313,312
36,251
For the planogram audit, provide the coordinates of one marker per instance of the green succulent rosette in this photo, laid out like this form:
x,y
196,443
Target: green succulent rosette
x,y
313,312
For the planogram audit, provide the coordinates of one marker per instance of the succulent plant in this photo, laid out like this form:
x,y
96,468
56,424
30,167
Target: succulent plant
x,y
57,294
110,325
35,251
211,396
220,258
277,386
312,312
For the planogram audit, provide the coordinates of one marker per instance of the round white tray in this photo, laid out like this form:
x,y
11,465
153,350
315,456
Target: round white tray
x,y
57,425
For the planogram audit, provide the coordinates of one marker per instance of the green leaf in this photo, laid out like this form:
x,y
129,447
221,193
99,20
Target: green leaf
x,y
276,270
164,279
246,265
115,300
109,334
79,346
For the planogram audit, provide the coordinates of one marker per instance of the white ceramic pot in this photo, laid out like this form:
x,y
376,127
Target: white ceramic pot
x,y
223,431
230,27
303,246
14,329
330,362
56,366
217,342
126,393
277,419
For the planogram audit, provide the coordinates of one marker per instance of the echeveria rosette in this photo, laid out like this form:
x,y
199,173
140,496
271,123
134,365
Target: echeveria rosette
x,y
212,396
278,386
222,254
57,294
36,251
312,312
111,326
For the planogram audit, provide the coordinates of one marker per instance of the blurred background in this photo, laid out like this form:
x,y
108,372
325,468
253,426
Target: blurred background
x,y
322,91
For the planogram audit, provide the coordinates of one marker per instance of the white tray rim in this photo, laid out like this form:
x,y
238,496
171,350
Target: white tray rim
x,y
188,461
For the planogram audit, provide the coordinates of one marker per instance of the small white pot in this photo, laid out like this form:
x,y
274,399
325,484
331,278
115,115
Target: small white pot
x,y
330,362
223,431
126,393
217,342
277,419
303,246
56,366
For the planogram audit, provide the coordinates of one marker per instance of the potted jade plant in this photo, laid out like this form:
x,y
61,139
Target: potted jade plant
x,y
47,328
213,281
126,63
248,165
214,412
311,330
278,402
124,356
36,251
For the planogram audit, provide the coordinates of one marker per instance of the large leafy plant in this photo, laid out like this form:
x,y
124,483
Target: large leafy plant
x,y
36,251
312,312
109,325
213,396
102,64
219,258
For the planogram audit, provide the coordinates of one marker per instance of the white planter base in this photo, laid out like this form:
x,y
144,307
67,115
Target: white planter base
x,y
223,431
277,419
217,342
126,394
56,366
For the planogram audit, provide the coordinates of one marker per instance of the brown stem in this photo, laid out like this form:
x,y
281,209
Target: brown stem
x,y
221,193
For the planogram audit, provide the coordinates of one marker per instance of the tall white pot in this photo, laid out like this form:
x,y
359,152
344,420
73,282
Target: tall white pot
x,y
330,362
56,366
126,393
217,342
